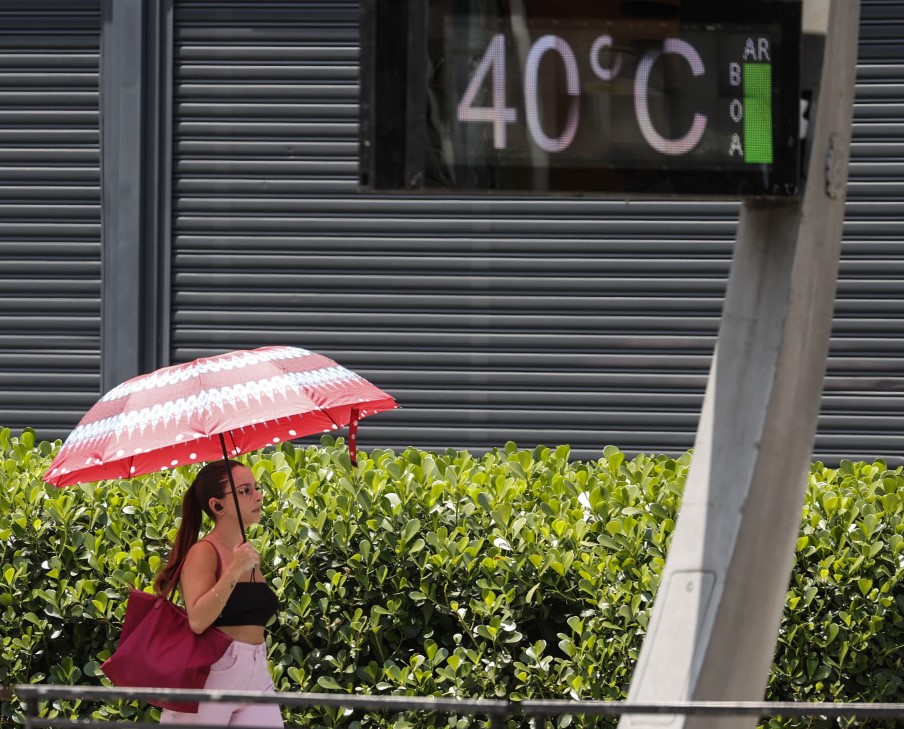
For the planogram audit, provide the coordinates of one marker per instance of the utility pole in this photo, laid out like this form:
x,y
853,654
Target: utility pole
x,y
718,608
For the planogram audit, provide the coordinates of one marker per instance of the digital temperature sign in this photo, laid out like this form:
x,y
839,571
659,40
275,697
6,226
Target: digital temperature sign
x,y
634,97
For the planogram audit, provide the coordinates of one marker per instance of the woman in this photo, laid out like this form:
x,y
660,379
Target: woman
x,y
221,586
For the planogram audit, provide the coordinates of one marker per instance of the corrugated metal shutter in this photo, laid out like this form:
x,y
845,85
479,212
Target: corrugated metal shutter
x,y
49,213
863,407
537,320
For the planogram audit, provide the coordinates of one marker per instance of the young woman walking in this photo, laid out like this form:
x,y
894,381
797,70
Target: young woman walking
x,y
219,577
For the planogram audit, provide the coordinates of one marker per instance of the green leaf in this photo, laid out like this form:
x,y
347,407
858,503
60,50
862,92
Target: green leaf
x,y
410,529
659,511
328,682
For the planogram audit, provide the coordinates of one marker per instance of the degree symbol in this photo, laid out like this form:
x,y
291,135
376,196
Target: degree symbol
x,y
606,74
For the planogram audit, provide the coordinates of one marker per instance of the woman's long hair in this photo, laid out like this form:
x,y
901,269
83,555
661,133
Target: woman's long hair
x,y
212,481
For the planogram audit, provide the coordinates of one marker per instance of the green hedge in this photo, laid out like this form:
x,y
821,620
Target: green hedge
x,y
518,574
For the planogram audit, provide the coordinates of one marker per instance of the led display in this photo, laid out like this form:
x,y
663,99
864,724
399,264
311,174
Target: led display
x,y
668,97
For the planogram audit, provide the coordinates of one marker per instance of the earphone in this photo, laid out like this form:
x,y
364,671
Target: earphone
x,y
218,507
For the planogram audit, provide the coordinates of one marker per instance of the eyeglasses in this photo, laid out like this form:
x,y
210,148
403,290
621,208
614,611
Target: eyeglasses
x,y
247,491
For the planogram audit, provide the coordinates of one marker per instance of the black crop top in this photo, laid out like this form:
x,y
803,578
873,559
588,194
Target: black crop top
x,y
251,603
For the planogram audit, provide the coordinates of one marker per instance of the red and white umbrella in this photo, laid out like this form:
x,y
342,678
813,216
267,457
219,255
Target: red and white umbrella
x,y
214,407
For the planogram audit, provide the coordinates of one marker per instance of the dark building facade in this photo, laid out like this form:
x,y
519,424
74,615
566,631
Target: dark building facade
x,y
180,179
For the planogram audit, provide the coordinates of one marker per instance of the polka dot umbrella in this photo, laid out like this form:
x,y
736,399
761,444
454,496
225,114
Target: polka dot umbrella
x,y
214,407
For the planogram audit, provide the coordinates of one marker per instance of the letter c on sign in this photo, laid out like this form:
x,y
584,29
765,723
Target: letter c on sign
x,y
672,147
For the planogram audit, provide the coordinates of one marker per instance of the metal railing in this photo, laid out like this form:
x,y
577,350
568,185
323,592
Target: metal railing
x,y
497,711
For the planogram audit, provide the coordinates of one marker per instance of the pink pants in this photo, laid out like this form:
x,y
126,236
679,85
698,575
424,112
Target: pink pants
x,y
242,668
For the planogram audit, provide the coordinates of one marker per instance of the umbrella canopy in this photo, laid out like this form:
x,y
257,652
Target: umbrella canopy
x,y
211,408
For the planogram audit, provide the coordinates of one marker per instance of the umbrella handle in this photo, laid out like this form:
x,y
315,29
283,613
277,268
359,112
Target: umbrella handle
x,y
235,496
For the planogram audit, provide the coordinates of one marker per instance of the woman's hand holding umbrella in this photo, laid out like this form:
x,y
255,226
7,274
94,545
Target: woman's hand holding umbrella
x,y
245,557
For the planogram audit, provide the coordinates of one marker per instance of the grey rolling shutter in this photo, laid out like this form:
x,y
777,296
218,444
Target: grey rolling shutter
x,y
49,213
537,320
863,406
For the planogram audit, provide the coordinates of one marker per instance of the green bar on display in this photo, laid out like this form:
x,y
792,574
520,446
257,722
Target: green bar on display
x,y
758,113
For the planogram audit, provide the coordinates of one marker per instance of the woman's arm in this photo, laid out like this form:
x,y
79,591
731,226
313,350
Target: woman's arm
x,y
205,595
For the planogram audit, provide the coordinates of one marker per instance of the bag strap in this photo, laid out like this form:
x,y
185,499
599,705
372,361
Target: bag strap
x,y
174,585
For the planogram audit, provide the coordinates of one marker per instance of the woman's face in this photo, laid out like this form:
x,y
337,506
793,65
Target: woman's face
x,y
249,496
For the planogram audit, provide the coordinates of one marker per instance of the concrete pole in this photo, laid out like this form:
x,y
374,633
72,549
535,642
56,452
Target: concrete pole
x,y
716,617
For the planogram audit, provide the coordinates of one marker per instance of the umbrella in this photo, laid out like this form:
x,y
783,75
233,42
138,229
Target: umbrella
x,y
214,407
